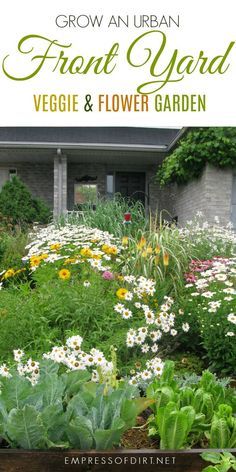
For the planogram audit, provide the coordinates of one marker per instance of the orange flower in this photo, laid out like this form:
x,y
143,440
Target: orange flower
x,y
141,243
166,258
158,249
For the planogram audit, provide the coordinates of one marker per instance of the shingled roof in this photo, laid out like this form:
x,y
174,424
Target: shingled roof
x,y
67,137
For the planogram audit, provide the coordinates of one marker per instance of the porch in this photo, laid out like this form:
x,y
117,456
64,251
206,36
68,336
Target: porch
x,y
63,165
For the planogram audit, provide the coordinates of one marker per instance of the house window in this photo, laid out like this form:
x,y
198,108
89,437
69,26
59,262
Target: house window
x,y
85,193
12,173
5,175
110,185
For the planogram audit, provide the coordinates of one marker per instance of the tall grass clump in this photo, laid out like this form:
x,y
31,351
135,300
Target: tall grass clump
x,y
160,253
108,215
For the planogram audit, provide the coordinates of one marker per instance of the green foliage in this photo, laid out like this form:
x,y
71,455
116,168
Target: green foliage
x,y
183,416
223,462
54,308
209,329
223,429
216,146
53,414
12,248
16,202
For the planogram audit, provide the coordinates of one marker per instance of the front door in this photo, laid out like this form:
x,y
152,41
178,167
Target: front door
x,y
131,185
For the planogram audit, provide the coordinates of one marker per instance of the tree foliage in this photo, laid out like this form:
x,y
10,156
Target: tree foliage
x,y
216,146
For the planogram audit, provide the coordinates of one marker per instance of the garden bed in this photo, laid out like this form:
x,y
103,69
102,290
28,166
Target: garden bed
x,y
156,312
144,460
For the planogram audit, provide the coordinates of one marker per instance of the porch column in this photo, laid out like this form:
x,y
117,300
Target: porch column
x,y
60,186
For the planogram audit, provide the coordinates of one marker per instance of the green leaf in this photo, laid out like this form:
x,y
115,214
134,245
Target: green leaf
x,y
15,392
48,367
51,388
80,433
210,468
106,439
132,408
213,457
25,428
220,435
80,404
74,380
55,422
175,431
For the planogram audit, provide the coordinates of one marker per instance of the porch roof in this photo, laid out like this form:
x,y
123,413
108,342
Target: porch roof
x,y
116,138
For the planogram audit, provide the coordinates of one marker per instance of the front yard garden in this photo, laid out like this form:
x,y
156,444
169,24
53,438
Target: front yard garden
x,y
118,338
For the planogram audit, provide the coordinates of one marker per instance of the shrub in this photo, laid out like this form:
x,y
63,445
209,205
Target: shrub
x,y
16,202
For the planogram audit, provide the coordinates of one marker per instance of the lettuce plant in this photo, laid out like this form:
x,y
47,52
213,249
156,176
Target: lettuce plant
x,y
184,416
223,462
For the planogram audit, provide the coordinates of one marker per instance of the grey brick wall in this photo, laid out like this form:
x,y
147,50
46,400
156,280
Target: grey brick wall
x,y
37,176
211,194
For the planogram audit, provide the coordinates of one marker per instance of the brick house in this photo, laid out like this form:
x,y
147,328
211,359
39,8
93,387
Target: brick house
x,y
65,165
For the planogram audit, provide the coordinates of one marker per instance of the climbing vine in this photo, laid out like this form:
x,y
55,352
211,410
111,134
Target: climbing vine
x,y
216,146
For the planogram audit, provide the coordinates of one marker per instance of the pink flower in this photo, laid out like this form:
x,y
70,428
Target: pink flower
x,y
108,275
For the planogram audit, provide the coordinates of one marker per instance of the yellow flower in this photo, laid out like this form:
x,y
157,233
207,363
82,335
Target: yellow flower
x,y
144,253
86,252
70,260
8,273
55,247
121,292
125,241
120,277
96,256
44,256
113,250
64,274
105,248
35,261
19,271
158,249
149,250
166,258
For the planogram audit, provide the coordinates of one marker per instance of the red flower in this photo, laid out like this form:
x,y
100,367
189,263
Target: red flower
x,y
127,217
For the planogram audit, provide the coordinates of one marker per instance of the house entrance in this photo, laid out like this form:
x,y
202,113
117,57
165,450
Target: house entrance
x,y
131,185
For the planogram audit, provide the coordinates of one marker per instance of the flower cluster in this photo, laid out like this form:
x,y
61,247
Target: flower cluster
x,y
138,301
70,355
212,283
154,368
68,246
